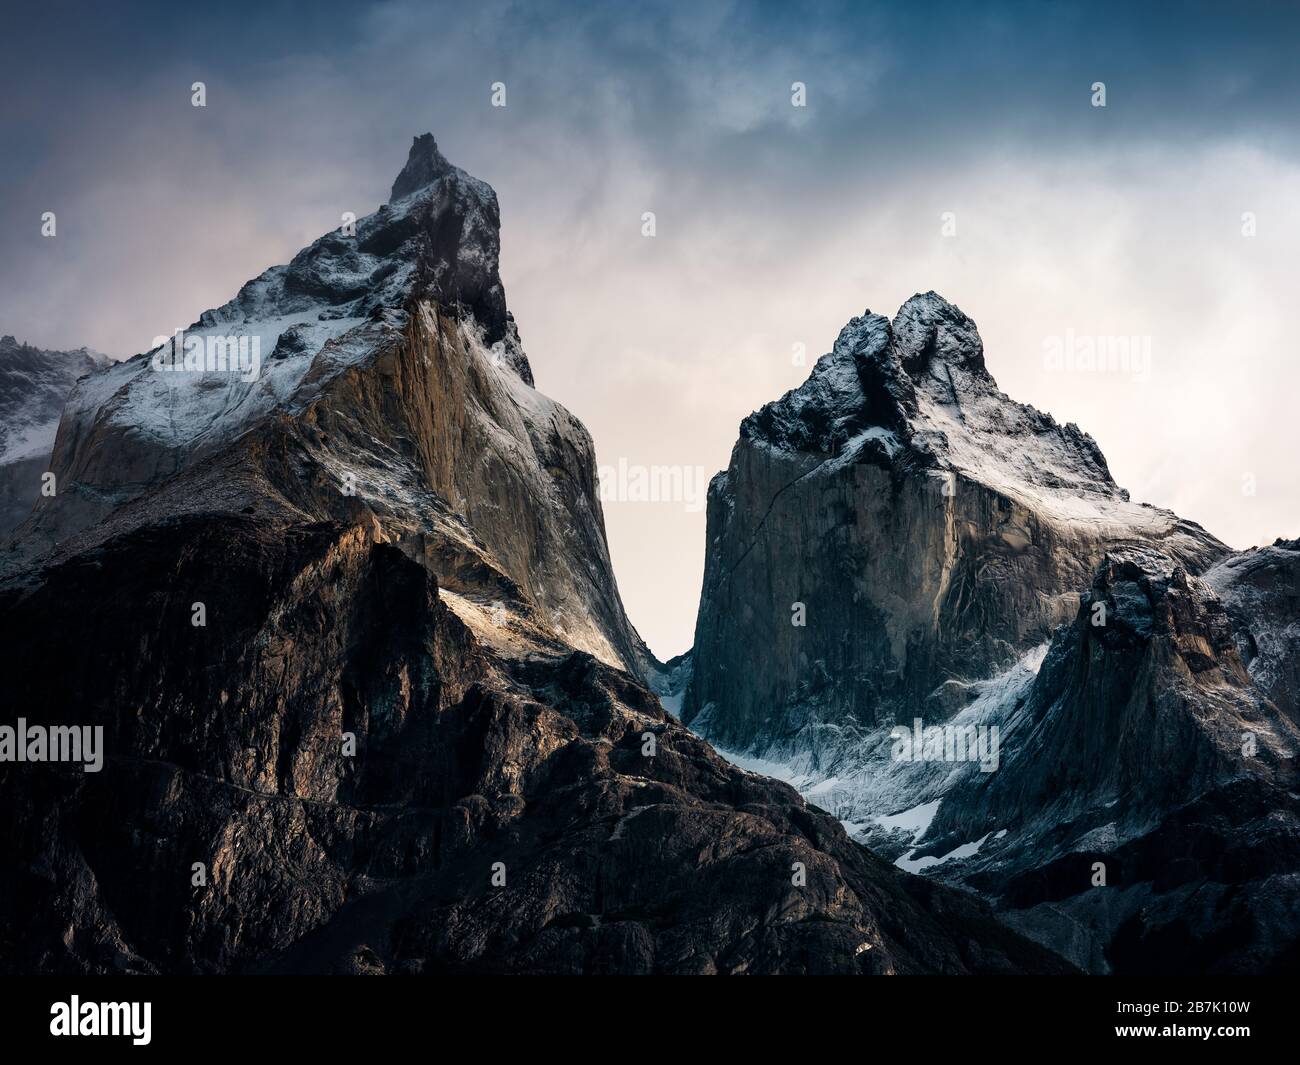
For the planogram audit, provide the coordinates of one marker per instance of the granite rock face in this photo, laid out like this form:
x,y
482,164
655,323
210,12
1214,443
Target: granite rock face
x,y
33,386
967,569
1260,590
369,699
1145,749
892,532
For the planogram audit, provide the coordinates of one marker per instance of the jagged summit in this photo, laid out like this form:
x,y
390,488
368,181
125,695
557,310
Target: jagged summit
x,y
424,165
323,314
915,393
439,239
928,330
941,528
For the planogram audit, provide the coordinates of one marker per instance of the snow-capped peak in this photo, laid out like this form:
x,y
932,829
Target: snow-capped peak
x,y
438,239
915,394
291,329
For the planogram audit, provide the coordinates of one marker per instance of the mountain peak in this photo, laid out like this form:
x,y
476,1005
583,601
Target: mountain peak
x,y
928,330
425,164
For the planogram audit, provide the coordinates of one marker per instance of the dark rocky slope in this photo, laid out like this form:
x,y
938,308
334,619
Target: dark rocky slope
x,y
1145,746
225,748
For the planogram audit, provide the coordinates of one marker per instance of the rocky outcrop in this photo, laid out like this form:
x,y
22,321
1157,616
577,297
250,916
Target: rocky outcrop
x,y
33,386
308,321
392,362
1144,817
1144,698
893,532
369,699
1260,589
624,844
962,571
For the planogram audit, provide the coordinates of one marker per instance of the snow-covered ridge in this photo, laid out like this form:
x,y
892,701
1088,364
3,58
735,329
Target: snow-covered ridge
x,y
915,393
438,239
182,409
33,386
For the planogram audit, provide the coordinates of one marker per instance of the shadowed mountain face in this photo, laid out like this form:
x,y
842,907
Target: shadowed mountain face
x,y
369,701
1101,694
1145,753
33,387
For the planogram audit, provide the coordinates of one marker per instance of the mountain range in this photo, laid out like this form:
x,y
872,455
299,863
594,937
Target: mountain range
x,y
341,602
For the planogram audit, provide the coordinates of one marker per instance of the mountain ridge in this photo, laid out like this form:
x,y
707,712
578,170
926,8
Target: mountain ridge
x,y
34,383
897,543
907,413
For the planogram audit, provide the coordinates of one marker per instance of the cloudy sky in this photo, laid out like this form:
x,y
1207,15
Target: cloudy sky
x,y
774,223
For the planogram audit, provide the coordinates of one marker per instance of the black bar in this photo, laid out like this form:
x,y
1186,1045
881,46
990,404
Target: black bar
x,y
487,1016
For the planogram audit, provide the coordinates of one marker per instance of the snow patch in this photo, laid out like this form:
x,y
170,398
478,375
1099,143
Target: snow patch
x,y
966,850
851,772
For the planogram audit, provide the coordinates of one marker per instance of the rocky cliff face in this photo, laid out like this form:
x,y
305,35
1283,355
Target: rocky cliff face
x,y
1144,817
894,532
33,386
368,696
1260,589
391,360
1122,685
